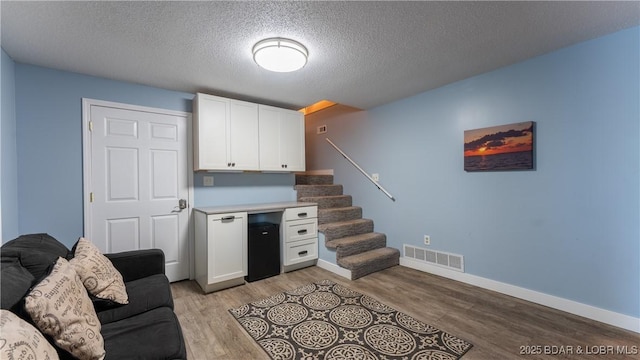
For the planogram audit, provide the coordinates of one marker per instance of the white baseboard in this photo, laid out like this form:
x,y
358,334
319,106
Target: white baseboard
x,y
317,172
345,273
590,312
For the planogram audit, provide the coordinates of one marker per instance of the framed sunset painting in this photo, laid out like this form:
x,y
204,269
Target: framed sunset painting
x,y
499,148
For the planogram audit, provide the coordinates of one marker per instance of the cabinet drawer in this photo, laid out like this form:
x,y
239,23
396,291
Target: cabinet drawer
x,y
301,213
301,229
299,251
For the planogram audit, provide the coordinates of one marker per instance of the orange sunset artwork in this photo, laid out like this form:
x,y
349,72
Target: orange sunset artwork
x,y
504,147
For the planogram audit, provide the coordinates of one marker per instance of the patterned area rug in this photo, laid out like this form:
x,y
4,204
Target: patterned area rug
x,y
325,320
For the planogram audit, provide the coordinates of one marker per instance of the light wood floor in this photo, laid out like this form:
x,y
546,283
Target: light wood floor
x,y
498,326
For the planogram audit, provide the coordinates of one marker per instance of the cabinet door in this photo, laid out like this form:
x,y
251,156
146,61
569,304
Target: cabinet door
x,y
211,132
292,151
269,125
243,137
227,251
281,139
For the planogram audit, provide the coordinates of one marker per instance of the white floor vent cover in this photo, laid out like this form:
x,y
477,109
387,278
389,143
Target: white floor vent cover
x,y
439,258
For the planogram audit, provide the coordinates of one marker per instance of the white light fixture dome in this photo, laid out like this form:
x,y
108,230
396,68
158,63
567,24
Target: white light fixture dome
x,y
280,55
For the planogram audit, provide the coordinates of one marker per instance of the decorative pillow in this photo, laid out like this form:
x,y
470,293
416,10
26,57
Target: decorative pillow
x,y
97,273
20,340
60,307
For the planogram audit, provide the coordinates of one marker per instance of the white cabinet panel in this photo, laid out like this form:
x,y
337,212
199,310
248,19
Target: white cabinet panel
x,y
225,134
221,250
269,124
210,132
292,140
298,213
282,146
301,251
299,237
243,137
301,229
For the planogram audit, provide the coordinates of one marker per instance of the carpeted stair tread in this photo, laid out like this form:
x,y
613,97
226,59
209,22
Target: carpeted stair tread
x,y
357,247
318,190
303,179
339,214
352,245
328,202
370,261
341,229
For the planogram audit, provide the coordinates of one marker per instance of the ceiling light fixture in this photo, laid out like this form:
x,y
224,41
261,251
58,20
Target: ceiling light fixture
x,y
280,55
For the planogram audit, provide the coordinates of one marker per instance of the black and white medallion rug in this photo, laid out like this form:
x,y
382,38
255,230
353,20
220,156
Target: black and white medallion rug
x,y
325,320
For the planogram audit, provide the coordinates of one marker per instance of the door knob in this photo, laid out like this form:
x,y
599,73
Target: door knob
x,y
182,204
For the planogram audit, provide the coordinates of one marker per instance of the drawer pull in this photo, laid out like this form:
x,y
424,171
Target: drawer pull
x,y
303,231
228,218
302,253
304,214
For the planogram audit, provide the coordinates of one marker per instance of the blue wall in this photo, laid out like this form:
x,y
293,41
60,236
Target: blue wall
x,y
49,143
8,153
569,229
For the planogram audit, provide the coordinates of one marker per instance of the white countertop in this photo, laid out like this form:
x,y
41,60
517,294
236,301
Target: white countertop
x,y
253,208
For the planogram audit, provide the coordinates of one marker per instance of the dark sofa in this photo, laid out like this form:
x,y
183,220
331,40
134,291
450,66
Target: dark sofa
x,y
146,328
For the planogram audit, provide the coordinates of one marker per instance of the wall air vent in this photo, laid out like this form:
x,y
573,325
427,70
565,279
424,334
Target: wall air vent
x,y
438,258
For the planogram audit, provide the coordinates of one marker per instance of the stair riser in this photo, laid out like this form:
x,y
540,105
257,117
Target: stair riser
x,y
314,179
360,247
326,216
348,230
318,190
374,265
329,202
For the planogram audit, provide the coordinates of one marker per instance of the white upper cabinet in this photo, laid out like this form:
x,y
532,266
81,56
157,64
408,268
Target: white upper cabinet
x,y
225,134
244,135
233,135
281,139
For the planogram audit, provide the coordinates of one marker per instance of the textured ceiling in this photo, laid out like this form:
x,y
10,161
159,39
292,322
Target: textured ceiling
x,y
362,54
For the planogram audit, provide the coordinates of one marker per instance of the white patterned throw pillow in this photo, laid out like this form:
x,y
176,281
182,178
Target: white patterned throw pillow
x,y
60,307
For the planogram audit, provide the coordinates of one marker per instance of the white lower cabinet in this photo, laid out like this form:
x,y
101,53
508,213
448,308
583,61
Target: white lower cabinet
x,y
299,237
221,243
220,250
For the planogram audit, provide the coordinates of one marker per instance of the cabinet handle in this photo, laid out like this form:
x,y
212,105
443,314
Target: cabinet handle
x,y
304,214
303,231
301,253
228,164
233,164
228,218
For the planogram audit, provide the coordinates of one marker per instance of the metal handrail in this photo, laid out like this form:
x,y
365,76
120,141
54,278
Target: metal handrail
x,y
361,170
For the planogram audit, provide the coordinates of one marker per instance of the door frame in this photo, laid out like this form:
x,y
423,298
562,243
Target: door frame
x,y
86,165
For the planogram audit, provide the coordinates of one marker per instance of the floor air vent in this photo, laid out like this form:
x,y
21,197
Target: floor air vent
x,y
439,258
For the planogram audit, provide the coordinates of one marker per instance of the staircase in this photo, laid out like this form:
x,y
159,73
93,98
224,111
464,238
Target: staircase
x,y
358,248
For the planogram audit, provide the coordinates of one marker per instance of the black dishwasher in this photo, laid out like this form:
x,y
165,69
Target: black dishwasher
x,y
264,251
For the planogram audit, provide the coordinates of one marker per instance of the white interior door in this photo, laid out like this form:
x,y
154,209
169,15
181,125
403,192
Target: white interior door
x,y
139,183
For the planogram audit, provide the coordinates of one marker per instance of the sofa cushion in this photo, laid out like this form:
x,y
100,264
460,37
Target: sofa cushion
x,y
15,282
97,273
60,307
155,334
144,294
36,252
